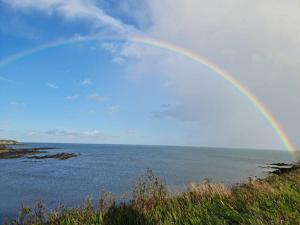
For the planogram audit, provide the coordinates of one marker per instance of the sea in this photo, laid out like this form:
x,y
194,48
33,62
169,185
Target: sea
x,y
115,168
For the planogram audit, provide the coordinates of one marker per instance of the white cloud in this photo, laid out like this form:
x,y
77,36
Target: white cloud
x,y
52,85
118,60
96,97
110,47
92,111
68,135
115,50
165,106
72,97
90,134
131,131
170,84
257,41
86,81
114,109
72,10
18,104
6,80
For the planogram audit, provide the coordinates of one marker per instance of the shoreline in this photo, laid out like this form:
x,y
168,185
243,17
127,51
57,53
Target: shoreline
x,y
8,152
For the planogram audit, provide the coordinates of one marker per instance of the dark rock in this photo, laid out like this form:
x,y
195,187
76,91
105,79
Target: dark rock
x,y
13,154
60,156
280,164
283,168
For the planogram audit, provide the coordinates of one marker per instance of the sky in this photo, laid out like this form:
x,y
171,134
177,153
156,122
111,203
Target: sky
x,y
69,71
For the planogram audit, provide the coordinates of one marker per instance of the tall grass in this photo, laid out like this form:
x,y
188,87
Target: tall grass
x,y
274,200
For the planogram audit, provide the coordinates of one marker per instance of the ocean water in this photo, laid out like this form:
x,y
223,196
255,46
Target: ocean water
x,y
115,168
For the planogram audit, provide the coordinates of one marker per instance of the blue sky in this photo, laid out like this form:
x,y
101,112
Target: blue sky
x,y
75,92
110,90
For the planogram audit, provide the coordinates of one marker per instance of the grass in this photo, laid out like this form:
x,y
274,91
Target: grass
x,y
274,200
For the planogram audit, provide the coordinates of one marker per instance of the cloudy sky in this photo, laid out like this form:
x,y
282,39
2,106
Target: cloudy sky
x,y
57,84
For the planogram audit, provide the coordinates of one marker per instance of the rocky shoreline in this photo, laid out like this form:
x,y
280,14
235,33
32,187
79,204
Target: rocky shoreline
x,y
8,152
60,156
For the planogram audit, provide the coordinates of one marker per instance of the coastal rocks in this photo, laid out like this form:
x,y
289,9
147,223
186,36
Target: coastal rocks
x,y
14,154
60,156
30,153
280,168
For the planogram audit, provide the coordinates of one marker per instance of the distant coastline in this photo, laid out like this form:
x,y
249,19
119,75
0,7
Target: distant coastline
x,y
7,152
8,142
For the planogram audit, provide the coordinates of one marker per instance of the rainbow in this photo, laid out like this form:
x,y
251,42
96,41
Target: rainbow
x,y
186,53
31,51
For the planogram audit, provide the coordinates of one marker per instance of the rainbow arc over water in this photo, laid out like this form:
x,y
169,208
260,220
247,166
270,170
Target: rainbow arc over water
x,y
226,76
181,51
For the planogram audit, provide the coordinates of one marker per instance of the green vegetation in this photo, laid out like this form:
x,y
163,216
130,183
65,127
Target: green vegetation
x,y
274,200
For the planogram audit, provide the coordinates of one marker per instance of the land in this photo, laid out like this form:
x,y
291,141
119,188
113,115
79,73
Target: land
x,y
8,142
8,152
60,156
273,200
4,143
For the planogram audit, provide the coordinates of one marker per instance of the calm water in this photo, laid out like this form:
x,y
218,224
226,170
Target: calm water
x,y
115,167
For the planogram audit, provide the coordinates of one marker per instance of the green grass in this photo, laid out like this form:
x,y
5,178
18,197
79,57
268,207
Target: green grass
x,y
274,200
